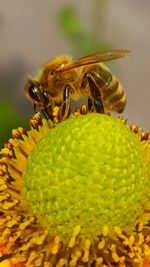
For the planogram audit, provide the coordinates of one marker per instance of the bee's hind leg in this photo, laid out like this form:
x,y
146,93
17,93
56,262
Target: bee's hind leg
x,y
65,109
96,96
90,104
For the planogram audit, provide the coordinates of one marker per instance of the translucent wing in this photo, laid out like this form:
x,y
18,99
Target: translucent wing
x,y
96,58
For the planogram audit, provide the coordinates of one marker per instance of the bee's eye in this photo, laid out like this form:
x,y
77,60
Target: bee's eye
x,y
34,92
38,95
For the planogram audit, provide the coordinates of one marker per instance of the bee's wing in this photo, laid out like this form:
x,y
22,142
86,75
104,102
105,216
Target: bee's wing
x,y
96,58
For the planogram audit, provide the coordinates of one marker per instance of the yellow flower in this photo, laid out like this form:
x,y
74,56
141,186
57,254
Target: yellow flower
x,y
75,193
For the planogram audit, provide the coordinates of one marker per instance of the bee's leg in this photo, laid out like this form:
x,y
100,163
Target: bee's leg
x,y
5,256
65,109
47,112
90,104
43,111
35,108
95,94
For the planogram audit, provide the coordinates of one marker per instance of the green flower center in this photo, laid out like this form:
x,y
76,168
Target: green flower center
x,y
89,170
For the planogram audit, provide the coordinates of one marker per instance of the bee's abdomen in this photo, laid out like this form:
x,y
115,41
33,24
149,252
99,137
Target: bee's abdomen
x,y
114,96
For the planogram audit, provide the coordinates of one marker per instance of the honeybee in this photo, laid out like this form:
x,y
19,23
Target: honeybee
x,y
5,256
60,80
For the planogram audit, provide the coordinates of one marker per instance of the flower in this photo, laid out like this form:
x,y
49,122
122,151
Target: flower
x,y
75,193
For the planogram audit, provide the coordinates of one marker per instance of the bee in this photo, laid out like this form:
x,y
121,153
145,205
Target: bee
x,y
5,256
60,80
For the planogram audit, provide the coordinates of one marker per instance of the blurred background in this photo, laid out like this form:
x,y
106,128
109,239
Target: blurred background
x,y
33,32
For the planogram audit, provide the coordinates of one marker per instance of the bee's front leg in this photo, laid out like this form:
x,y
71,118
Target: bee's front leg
x,y
35,107
45,114
42,111
65,109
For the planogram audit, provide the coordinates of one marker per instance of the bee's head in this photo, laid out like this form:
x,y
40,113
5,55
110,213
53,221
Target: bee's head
x,y
35,93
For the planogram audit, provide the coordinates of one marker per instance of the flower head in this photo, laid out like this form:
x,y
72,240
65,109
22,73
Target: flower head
x,y
76,193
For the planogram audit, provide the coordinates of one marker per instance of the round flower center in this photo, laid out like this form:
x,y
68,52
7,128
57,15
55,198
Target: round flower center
x,y
89,170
